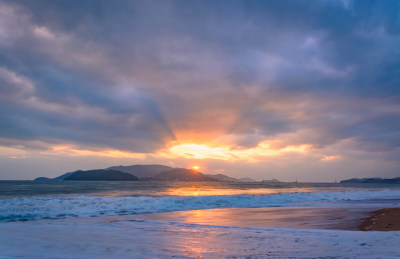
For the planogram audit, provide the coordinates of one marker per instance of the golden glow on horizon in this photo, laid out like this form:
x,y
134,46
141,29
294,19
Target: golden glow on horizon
x,y
199,189
185,151
72,151
196,151
196,168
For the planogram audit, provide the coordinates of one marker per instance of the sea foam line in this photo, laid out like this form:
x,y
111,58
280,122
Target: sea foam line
x,y
92,206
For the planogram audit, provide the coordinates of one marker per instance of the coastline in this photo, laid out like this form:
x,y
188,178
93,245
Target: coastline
x,y
296,224
323,218
132,237
299,232
387,219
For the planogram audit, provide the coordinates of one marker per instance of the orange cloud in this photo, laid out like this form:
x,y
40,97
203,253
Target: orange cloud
x,y
72,151
330,158
186,151
197,151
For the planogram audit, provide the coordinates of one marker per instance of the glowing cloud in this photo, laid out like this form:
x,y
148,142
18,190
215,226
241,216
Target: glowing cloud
x,y
331,158
72,151
196,151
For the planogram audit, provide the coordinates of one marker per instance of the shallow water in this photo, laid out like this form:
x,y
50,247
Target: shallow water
x,y
204,220
124,237
27,200
334,218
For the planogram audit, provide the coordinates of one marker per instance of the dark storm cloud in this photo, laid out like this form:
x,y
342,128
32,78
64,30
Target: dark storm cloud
x,y
128,74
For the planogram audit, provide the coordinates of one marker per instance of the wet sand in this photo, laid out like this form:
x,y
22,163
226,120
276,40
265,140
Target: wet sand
x,y
127,237
382,220
284,232
334,218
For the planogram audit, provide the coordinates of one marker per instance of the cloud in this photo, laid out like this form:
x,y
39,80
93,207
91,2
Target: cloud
x,y
145,76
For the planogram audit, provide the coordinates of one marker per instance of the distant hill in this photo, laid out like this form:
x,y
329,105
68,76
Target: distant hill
x,y
222,177
44,180
372,180
247,179
182,174
271,181
142,171
100,175
63,176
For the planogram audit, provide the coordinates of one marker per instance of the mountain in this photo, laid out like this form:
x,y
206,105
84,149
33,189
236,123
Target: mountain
x,y
63,176
247,179
222,177
182,174
100,175
271,181
138,172
353,180
44,180
372,180
142,171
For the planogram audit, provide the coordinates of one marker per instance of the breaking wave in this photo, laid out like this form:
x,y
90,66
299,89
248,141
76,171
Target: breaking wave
x,y
21,209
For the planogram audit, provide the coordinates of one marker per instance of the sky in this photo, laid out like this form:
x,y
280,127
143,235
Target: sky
x,y
261,89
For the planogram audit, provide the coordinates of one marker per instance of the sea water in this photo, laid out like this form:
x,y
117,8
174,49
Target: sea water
x,y
29,200
104,220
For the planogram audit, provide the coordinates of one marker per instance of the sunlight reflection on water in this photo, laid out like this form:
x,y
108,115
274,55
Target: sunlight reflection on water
x,y
201,191
10,189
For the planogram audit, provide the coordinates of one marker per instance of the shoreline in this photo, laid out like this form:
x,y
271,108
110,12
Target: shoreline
x,y
325,218
132,237
358,218
387,219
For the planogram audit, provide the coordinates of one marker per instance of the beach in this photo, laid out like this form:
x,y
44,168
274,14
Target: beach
x,y
328,218
135,237
199,220
387,219
180,129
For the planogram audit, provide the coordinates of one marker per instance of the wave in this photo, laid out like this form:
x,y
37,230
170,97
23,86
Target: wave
x,y
22,209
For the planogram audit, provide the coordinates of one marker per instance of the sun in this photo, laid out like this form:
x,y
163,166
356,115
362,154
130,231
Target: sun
x,y
196,168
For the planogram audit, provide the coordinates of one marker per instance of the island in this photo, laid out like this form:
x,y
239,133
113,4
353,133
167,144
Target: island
x,y
138,173
372,180
142,173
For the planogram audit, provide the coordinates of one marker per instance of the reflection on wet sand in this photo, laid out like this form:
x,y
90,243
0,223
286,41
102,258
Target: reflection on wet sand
x,y
343,218
132,237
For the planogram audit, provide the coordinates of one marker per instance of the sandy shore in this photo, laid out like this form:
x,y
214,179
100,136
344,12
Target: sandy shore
x,y
332,218
130,237
284,232
382,220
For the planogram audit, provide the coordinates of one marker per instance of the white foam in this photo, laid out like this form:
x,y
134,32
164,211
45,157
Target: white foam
x,y
88,206
118,238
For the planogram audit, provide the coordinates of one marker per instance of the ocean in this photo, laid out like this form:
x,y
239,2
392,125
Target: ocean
x,y
29,200
114,220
